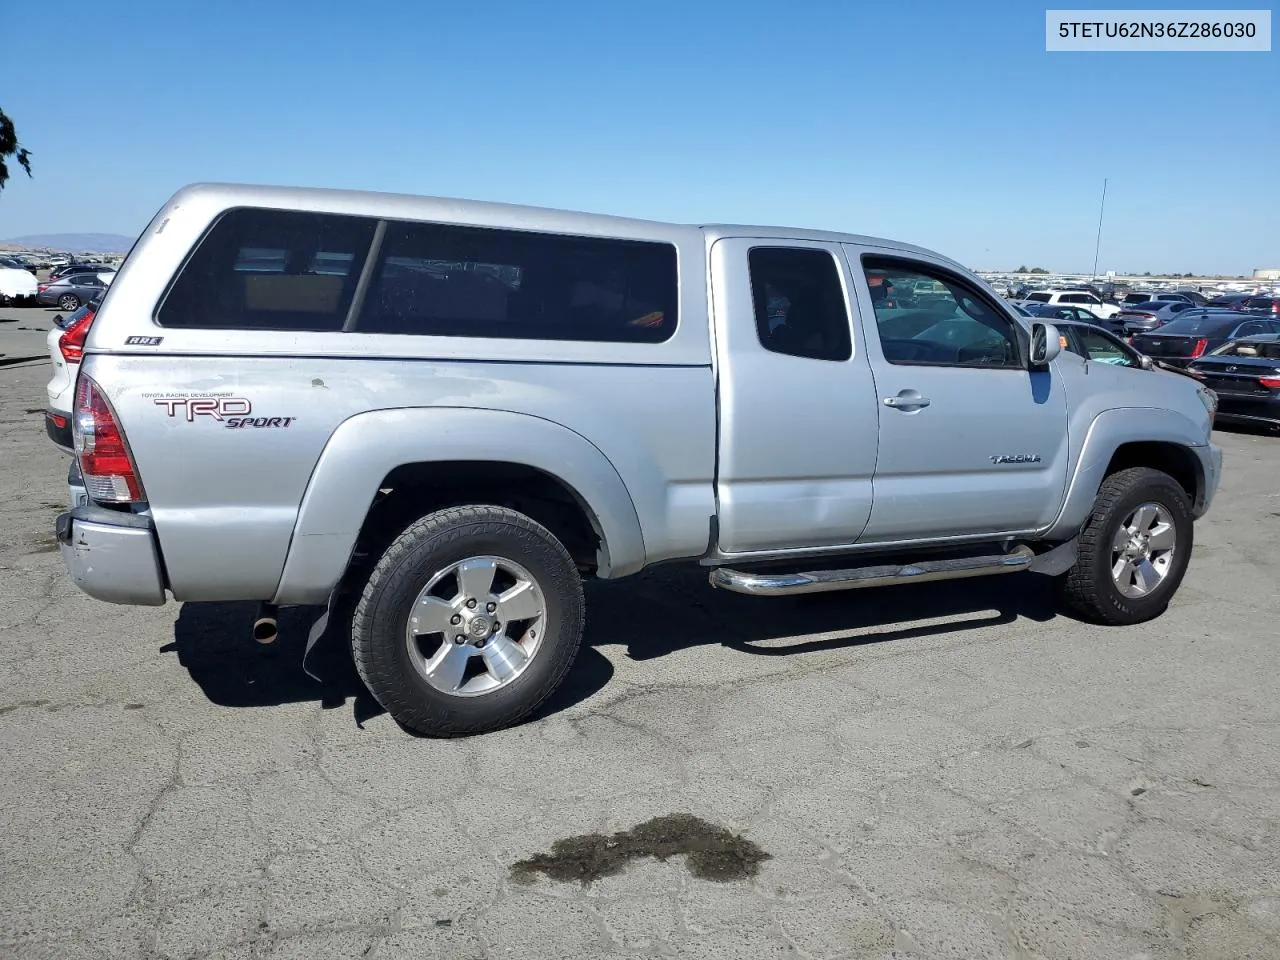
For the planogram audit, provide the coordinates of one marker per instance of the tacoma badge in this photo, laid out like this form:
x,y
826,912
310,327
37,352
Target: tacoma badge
x,y
1016,458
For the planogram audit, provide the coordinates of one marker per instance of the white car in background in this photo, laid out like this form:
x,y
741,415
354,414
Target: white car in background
x,y
65,344
1078,298
17,286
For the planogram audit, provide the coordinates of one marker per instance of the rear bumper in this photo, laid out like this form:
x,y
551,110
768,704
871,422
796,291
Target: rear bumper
x,y
58,427
112,556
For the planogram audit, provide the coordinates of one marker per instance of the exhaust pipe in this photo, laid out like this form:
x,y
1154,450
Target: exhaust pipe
x,y
264,627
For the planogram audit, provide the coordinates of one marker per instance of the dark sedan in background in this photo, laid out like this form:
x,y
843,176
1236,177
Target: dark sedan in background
x,y
1262,305
1198,332
1245,374
87,266
1230,301
71,291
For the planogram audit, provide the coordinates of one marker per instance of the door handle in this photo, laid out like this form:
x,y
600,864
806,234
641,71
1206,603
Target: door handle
x,y
907,400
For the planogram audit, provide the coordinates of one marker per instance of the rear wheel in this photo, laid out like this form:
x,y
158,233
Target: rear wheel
x,y
469,621
69,301
1134,549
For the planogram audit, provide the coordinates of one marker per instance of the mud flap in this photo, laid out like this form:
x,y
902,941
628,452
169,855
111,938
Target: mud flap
x,y
317,631
1057,561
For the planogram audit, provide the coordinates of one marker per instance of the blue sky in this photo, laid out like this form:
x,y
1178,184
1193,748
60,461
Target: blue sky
x,y
940,123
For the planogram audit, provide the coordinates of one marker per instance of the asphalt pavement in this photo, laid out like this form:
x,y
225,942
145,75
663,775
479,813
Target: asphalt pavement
x,y
948,770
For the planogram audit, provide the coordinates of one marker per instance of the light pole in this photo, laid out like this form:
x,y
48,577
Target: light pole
x,y
1098,244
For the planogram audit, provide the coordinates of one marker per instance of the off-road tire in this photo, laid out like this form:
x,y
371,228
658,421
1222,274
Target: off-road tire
x,y
1088,589
437,540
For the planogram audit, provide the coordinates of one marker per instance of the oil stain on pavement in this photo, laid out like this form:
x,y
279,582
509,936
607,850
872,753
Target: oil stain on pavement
x,y
711,852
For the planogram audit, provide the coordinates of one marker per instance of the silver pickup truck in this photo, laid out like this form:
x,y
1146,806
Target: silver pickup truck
x,y
453,412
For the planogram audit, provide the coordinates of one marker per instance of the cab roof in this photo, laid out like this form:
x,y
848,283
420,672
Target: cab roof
x,y
515,216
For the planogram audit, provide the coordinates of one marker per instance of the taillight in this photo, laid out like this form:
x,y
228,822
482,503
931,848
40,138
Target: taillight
x,y
1199,348
103,452
71,343
1271,383
42,287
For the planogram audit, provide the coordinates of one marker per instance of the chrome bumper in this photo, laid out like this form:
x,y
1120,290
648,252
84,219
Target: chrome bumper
x,y
112,556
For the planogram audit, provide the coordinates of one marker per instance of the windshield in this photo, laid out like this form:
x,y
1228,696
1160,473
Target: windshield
x,y
1268,348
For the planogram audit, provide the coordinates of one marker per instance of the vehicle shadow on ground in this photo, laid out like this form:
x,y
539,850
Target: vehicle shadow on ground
x,y
675,608
653,615
213,642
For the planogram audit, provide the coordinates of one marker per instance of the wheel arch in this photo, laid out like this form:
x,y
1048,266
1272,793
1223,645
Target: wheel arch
x,y
436,457
1118,439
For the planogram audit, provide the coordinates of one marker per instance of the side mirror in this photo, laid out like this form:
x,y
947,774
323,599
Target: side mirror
x,y
1046,343
1146,362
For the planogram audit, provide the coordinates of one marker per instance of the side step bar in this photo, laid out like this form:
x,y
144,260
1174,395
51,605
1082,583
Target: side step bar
x,y
822,581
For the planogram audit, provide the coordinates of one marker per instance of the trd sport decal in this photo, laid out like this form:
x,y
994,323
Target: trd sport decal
x,y
232,411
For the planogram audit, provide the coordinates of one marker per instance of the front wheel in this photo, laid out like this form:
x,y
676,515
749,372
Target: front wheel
x,y
1134,549
469,621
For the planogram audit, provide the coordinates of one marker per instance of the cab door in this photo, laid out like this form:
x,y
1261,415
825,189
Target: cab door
x,y
798,415
972,442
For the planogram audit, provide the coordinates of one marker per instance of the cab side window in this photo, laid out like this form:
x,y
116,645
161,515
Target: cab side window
x,y
799,303
954,326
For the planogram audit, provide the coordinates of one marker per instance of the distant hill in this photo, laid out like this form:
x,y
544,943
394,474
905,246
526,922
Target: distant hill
x,y
77,242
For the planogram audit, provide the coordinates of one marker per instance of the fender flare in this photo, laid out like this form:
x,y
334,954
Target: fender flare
x,y
366,447
1109,431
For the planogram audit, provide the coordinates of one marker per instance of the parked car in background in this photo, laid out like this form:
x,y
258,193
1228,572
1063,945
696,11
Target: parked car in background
x,y
1197,332
80,267
17,287
1063,311
1261,305
65,344
1245,374
1079,298
70,291
1182,296
1230,301
13,263
1144,317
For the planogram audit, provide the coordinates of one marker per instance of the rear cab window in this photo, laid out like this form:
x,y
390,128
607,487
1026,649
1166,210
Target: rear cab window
x,y
452,281
256,269
293,270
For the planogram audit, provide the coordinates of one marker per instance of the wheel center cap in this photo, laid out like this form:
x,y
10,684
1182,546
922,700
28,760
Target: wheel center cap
x,y
480,626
